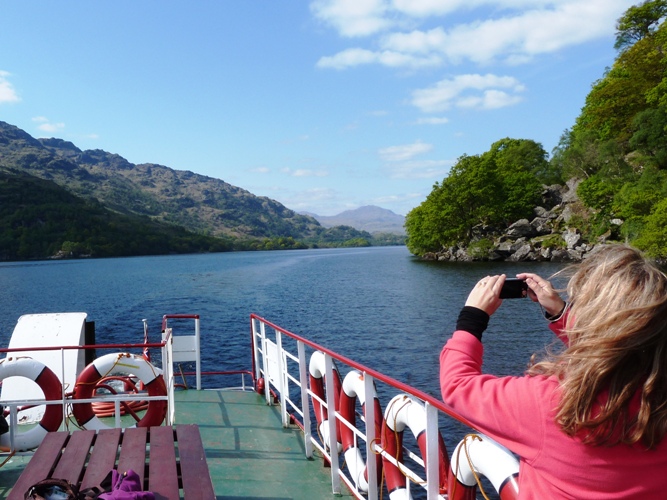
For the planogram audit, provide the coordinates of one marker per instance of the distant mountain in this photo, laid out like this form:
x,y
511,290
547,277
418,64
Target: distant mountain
x,y
59,201
199,203
369,218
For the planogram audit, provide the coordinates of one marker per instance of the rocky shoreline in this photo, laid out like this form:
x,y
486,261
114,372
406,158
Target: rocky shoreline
x,y
550,236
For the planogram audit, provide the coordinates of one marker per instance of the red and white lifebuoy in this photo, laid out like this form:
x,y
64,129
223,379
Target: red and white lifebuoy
x,y
317,370
487,458
53,391
404,411
353,389
114,364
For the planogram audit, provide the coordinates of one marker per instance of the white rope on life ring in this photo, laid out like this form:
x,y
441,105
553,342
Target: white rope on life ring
x,y
112,364
316,370
353,389
404,411
52,388
479,454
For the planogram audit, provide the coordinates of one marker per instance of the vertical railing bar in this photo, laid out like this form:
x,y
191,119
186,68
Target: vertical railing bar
x,y
432,456
369,411
281,378
333,436
305,403
265,364
198,353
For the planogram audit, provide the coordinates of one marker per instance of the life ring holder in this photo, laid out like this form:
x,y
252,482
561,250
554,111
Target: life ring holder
x,y
316,370
111,364
477,455
50,385
353,389
404,411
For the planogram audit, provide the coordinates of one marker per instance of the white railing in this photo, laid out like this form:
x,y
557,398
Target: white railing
x,y
14,406
281,359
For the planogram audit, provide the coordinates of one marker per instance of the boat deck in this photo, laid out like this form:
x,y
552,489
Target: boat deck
x,y
249,453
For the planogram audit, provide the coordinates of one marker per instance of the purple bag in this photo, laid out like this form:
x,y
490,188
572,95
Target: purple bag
x,y
126,487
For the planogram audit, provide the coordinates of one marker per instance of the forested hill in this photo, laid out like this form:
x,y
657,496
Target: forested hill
x,y
615,152
200,203
57,200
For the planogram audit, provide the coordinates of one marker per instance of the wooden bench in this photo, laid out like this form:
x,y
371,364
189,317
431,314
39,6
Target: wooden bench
x,y
86,457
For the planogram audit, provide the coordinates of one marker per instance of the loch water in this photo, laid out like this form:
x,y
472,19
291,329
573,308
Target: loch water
x,y
379,306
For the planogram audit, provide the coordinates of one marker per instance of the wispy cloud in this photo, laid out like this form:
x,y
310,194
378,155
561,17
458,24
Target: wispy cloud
x,y
469,91
304,172
7,91
419,169
404,152
514,32
45,125
432,120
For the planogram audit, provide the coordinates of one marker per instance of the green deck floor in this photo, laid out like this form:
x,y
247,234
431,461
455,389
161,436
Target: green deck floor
x,y
249,453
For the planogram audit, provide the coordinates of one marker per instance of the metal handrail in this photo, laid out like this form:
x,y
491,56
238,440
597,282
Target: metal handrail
x,y
265,368
66,400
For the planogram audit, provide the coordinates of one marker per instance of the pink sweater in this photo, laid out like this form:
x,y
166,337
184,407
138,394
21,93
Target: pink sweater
x,y
518,412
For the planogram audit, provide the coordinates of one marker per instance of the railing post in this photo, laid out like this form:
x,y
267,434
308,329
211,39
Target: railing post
x,y
198,353
282,378
333,436
305,402
265,364
432,456
255,348
369,411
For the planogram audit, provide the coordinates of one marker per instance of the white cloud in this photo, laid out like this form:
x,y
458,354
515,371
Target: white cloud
x,y
432,120
352,18
304,172
513,31
51,127
419,169
469,91
404,152
260,170
7,92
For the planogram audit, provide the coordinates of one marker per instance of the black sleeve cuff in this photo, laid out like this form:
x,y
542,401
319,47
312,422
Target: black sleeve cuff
x,y
472,320
557,316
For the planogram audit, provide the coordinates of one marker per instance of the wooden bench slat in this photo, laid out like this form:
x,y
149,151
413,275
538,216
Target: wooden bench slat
x,y
41,463
194,469
63,455
133,451
71,464
103,457
162,471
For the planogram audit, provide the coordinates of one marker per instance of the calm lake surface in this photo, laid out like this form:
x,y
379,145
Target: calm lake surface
x,y
379,306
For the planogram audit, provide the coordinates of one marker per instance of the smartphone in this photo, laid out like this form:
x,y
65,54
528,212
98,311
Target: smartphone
x,y
514,288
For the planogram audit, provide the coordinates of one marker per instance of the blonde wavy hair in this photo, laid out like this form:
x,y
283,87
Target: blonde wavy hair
x,y
617,351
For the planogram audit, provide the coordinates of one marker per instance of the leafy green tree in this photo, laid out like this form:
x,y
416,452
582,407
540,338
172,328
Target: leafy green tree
x,y
492,189
638,22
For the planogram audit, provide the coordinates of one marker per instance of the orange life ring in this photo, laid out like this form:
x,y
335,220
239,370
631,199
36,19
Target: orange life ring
x,y
113,364
53,391
353,388
404,411
316,371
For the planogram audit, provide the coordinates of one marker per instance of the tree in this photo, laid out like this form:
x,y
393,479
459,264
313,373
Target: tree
x,y
638,22
492,189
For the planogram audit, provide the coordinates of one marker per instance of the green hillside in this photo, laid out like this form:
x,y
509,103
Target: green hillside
x,y
57,200
616,152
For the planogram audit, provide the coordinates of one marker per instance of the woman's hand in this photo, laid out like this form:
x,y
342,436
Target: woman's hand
x,y
540,290
485,294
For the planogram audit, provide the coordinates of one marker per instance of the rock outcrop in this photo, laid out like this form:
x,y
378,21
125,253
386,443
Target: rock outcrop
x,y
550,236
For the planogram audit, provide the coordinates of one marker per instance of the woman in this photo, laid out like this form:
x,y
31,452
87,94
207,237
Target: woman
x,y
589,421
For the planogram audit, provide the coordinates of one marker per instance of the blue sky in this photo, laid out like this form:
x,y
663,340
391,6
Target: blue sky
x,y
324,106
